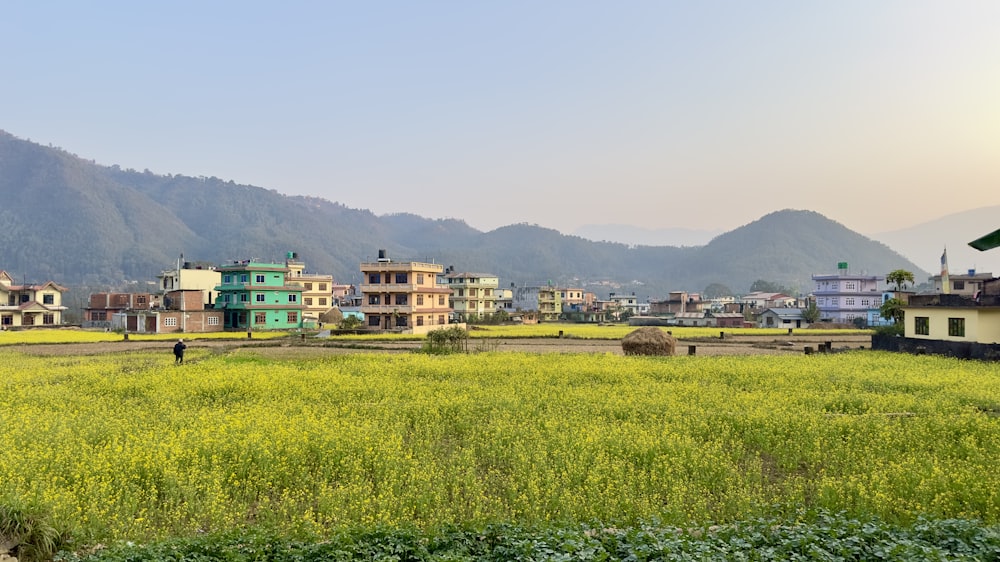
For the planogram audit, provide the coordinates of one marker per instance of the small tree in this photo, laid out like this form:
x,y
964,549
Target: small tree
x,y
892,309
716,290
350,322
899,278
811,312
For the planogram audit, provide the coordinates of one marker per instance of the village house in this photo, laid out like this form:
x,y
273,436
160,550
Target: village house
x,y
102,307
256,296
29,304
404,296
182,310
842,297
317,289
955,317
473,295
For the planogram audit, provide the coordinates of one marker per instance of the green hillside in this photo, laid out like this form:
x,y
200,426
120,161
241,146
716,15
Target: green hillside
x,y
76,222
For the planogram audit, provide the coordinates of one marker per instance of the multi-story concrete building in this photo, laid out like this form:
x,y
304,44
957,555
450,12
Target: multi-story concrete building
x,y
967,284
550,306
473,295
844,296
182,311
317,289
256,296
618,304
29,304
102,307
404,296
190,277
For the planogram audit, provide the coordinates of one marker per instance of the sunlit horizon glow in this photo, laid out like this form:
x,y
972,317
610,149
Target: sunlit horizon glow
x,y
655,114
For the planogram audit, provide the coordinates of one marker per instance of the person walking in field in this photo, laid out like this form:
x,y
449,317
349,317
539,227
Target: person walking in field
x,y
179,348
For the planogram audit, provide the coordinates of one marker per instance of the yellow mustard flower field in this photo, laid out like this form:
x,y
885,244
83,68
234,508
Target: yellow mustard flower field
x,y
130,446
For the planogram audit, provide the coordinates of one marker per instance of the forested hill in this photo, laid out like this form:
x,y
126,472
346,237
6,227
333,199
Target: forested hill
x,y
73,221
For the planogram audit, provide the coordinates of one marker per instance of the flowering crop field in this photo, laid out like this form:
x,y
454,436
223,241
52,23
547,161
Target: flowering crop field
x,y
130,446
48,336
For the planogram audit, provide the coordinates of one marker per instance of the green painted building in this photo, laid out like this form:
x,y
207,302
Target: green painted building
x,y
255,296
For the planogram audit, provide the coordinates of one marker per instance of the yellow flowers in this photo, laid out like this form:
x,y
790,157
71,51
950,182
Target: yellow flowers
x,y
39,336
128,446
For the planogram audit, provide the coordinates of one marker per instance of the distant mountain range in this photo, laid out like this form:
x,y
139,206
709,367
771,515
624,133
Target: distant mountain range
x,y
926,242
637,236
72,221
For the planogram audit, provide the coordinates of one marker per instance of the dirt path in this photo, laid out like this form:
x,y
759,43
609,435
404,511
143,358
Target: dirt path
x,y
731,345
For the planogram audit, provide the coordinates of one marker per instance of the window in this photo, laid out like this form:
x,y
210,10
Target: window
x,y
51,299
260,297
922,325
461,293
401,321
420,279
227,279
420,320
440,318
849,301
227,298
322,301
96,316
260,318
373,299
213,320
958,285
440,300
402,299
170,321
373,320
956,327
7,320
139,299
24,298
245,278
293,317
48,319
259,278
245,297
309,301
293,298
322,286
400,278
28,320
373,279
309,286
420,300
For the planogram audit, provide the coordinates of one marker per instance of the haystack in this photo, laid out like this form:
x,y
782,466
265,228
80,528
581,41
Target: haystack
x,y
648,340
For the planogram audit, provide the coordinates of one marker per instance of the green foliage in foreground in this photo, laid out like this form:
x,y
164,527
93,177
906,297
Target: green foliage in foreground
x,y
823,537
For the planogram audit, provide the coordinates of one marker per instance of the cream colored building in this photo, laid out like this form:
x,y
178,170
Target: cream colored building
x,y
29,305
189,277
317,289
967,284
952,318
473,295
404,296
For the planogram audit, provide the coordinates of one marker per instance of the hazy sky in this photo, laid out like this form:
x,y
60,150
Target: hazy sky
x,y
877,114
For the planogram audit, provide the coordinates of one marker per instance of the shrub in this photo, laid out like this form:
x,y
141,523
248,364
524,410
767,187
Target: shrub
x,y
446,340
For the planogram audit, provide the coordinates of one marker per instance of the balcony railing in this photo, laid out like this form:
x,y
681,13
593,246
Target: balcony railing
x,y
386,309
